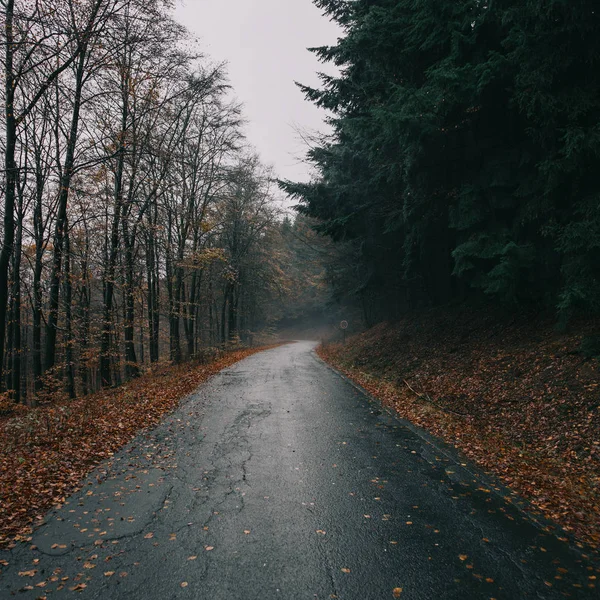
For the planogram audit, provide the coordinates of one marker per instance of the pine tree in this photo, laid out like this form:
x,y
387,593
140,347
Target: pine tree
x,y
462,159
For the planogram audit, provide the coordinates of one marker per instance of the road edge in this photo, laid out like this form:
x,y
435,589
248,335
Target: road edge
x,y
522,505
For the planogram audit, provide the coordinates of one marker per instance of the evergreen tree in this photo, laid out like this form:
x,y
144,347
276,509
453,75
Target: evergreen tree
x,y
462,157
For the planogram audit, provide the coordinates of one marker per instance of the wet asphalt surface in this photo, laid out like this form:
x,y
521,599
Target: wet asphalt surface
x,y
280,480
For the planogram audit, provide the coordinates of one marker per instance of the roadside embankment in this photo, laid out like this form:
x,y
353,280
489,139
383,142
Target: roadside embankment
x,y
517,397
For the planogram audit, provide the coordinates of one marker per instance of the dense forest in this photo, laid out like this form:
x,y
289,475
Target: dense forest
x,y
138,224
463,159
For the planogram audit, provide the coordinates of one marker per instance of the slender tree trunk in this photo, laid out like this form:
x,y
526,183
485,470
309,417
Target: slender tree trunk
x,y
233,312
142,350
192,314
153,300
84,317
37,286
69,342
17,350
131,367
109,289
84,294
61,217
224,320
109,278
211,301
11,176
174,319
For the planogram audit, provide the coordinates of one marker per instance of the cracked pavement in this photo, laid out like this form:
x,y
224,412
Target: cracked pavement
x,y
278,479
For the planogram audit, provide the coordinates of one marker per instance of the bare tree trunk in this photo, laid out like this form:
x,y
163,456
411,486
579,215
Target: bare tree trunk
x,y
224,319
61,217
11,175
131,367
110,274
37,277
174,324
153,298
17,350
70,366
233,312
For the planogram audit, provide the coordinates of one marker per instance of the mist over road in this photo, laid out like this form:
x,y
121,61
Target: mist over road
x,y
280,480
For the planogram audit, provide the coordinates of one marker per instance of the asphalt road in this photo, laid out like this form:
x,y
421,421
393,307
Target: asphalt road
x,y
280,480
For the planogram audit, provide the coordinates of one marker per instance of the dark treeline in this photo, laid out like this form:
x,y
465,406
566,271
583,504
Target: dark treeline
x,y
465,151
137,224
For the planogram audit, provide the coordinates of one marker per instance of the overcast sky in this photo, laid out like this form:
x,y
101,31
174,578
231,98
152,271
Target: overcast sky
x,y
264,43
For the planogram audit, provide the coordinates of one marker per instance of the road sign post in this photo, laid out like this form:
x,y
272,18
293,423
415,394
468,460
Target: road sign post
x,y
343,327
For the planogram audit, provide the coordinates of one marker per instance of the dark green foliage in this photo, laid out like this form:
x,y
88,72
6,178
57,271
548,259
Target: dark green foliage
x,y
465,150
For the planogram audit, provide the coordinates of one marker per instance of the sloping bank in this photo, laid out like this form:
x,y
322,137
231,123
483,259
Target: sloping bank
x,y
516,397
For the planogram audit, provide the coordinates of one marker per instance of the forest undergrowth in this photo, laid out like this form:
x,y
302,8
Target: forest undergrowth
x,y
46,451
516,396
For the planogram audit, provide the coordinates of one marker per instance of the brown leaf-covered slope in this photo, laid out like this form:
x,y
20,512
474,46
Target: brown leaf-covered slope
x,y
515,396
45,452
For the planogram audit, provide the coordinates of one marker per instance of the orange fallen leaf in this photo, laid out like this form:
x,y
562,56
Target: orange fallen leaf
x,y
396,592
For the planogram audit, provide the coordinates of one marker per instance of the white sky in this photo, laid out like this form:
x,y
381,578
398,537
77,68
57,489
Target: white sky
x,y
264,43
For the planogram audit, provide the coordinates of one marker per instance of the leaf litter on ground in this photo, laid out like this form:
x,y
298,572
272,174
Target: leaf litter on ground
x,y
515,396
45,452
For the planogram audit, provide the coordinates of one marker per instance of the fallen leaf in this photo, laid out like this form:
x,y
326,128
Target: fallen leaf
x,y
396,592
28,573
